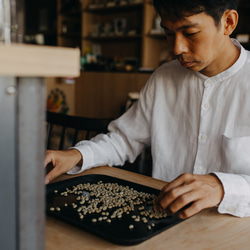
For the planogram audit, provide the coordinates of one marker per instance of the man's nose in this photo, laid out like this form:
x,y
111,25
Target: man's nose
x,y
180,45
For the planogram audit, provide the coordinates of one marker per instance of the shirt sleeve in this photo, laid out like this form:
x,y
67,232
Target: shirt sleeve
x,y
111,149
127,137
236,200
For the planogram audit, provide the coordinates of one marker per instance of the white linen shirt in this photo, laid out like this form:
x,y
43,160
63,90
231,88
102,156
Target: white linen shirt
x,y
193,123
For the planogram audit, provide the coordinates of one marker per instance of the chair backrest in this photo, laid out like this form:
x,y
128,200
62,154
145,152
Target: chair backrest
x,y
88,126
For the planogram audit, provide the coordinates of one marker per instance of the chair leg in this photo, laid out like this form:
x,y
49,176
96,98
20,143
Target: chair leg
x,y
49,134
75,138
61,145
87,135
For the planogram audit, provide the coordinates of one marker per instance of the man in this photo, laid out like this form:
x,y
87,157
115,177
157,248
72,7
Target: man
x,y
193,111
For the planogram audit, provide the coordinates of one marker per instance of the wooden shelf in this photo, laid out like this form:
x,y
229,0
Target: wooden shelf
x,y
115,37
157,36
69,20
108,10
47,32
70,35
139,16
70,13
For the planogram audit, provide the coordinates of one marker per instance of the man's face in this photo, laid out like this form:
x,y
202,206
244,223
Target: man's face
x,y
196,42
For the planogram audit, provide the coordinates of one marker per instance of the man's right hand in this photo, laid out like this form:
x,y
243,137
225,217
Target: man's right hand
x,y
62,161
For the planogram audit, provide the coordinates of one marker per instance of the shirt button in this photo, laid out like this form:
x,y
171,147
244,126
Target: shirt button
x,y
203,137
199,168
207,83
206,106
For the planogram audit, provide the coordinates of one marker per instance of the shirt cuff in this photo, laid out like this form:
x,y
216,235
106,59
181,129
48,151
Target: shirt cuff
x,y
87,159
236,200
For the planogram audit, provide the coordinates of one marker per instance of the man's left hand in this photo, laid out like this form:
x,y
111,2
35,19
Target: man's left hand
x,y
197,191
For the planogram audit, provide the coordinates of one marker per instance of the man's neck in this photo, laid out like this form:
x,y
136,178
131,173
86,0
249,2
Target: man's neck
x,y
229,56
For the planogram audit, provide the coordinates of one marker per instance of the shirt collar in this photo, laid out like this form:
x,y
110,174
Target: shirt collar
x,y
233,69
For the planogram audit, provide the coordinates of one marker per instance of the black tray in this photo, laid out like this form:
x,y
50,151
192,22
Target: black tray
x,y
118,230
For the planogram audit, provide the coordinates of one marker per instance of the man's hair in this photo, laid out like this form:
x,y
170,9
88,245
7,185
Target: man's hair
x,y
179,9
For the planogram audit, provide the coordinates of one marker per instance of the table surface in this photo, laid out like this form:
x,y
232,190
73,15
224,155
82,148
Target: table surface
x,y
206,230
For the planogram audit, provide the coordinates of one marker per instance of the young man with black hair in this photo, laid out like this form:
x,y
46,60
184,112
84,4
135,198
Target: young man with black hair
x,y
194,112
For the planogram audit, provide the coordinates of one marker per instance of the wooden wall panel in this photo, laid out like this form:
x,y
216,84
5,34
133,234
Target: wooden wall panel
x,y
104,94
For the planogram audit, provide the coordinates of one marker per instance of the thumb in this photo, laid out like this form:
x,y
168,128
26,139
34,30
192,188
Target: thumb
x,y
53,174
48,158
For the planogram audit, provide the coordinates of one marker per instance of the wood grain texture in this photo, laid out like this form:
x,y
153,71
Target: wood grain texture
x,y
38,61
104,94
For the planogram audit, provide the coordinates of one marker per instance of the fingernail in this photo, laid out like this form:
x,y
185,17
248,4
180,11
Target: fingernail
x,y
46,181
181,216
156,208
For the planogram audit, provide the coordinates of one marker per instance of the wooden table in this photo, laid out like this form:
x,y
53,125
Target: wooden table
x,y
206,230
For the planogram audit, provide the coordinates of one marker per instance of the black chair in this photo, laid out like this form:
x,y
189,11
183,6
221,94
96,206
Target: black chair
x,y
72,128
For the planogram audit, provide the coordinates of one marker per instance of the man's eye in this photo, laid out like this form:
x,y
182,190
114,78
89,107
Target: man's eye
x,y
191,34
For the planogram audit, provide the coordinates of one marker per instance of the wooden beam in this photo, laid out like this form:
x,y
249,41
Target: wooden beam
x,y
40,61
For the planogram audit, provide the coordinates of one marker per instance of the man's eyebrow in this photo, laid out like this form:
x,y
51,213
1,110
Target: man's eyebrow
x,y
186,26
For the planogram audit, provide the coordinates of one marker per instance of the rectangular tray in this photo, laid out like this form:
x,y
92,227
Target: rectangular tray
x,y
118,230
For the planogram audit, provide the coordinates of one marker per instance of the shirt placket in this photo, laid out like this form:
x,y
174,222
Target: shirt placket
x,y
204,129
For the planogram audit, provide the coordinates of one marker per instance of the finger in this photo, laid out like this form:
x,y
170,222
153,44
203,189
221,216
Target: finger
x,y
194,200
191,210
179,181
182,201
46,161
175,199
174,189
53,174
48,158
163,195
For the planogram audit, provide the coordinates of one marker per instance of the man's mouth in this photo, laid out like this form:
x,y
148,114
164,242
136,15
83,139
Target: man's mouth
x,y
187,64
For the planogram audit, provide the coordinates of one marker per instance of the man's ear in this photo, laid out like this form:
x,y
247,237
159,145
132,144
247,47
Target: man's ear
x,y
230,21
